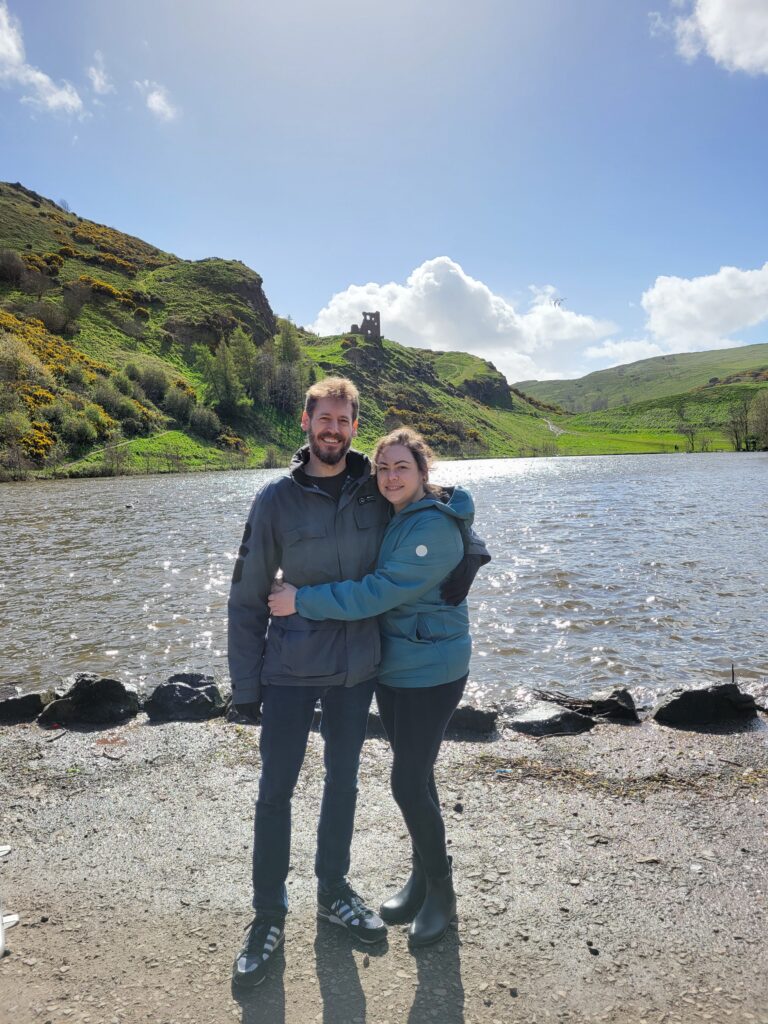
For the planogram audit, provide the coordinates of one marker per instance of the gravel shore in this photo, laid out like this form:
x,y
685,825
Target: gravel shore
x,y
619,876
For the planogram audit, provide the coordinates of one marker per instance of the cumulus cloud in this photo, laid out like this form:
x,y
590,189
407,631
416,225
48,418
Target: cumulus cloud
x,y
100,80
441,307
41,91
615,353
158,101
734,33
689,314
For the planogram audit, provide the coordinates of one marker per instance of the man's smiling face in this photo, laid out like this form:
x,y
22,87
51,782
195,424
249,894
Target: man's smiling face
x,y
330,430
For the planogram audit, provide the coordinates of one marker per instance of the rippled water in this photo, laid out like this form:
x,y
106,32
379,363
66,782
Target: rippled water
x,y
643,570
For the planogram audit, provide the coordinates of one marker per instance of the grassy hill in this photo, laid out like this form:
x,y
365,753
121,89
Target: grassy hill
x,y
116,356
648,379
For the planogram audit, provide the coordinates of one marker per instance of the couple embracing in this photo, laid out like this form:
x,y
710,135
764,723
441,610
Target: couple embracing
x,y
376,563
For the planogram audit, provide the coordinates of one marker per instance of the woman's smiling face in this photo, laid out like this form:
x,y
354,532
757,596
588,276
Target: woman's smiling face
x,y
399,478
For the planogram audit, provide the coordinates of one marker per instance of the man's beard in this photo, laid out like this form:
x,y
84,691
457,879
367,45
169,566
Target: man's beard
x,y
329,458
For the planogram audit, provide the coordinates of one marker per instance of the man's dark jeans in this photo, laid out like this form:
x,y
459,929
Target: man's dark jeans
x,y
286,720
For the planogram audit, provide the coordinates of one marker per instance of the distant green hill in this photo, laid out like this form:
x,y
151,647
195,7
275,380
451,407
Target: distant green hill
x,y
652,378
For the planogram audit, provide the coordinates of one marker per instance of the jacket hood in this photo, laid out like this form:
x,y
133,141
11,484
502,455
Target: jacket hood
x,y
358,465
454,501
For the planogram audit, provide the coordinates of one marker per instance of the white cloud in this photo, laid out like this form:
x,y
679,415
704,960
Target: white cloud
x,y
442,307
690,314
615,353
42,91
158,101
734,33
100,80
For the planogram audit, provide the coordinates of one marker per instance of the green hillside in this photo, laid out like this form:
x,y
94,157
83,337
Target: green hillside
x,y
116,356
648,379
713,418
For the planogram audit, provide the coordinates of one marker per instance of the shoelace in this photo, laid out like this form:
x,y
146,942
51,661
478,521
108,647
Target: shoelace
x,y
257,937
355,903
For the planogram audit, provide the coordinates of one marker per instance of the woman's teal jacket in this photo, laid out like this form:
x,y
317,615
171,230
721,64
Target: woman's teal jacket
x,y
424,641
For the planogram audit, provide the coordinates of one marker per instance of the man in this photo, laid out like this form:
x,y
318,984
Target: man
x,y
322,522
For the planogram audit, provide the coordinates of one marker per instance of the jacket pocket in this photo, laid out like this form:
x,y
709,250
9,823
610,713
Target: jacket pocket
x,y
304,649
306,554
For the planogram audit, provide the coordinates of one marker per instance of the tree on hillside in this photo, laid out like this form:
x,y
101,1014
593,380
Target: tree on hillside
x,y
223,386
246,359
288,390
758,418
737,424
290,347
688,430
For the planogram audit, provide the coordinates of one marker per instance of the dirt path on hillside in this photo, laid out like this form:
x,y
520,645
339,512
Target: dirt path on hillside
x,y
617,876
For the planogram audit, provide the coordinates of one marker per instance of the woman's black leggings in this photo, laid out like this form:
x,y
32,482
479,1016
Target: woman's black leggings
x,y
415,721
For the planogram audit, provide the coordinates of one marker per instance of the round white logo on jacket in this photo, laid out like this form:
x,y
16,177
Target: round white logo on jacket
x,y
422,550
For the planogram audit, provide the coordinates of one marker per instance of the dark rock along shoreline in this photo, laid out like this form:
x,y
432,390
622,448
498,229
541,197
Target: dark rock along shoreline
x,y
89,699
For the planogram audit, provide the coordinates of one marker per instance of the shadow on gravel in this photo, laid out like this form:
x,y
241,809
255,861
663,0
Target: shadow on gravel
x,y
266,1003
439,992
337,972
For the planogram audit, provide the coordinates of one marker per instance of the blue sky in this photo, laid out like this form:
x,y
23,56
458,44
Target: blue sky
x,y
462,167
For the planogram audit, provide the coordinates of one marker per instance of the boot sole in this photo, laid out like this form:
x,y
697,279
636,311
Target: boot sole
x,y
396,918
437,938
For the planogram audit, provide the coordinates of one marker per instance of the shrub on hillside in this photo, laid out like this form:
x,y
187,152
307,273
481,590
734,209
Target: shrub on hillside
x,y
13,426
118,405
271,458
18,363
77,374
50,314
38,442
179,403
12,267
102,423
123,383
204,422
132,426
155,382
231,442
77,430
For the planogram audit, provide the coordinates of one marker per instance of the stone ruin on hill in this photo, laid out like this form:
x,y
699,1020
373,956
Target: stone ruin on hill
x,y
370,327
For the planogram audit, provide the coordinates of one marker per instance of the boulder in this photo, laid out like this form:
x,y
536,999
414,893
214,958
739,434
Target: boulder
x,y
186,697
468,718
544,718
91,699
23,707
710,705
615,704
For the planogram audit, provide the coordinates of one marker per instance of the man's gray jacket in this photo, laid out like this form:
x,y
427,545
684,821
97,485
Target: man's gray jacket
x,y
300,529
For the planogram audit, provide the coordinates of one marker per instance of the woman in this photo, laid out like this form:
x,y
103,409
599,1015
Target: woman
x,y
425,655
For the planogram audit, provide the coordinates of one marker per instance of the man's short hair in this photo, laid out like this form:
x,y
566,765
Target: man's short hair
x,y
340,389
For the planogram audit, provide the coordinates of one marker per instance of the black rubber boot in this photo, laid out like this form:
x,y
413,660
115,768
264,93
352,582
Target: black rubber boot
x,y
437,912
405,905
